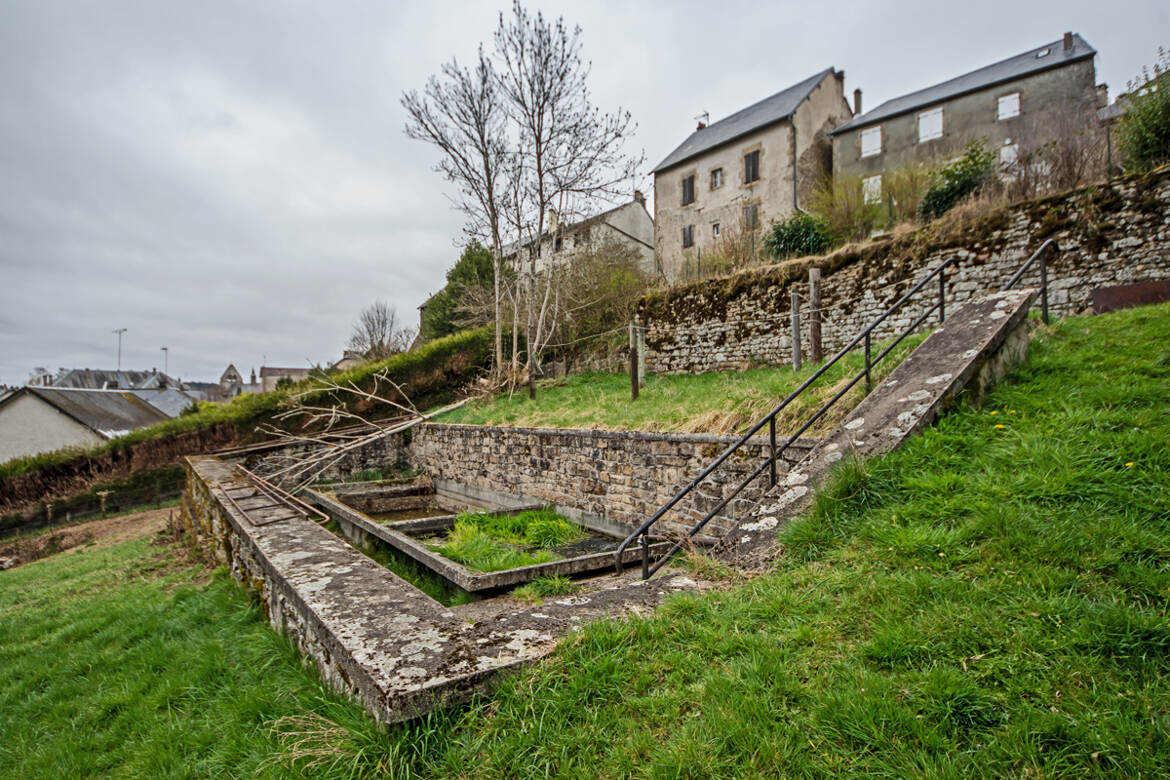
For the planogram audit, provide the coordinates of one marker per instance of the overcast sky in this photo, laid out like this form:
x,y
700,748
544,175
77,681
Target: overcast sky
x,y
231,180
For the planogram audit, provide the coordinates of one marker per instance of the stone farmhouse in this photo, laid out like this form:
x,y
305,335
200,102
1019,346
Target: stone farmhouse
x,y
629,225
1017,105
739,173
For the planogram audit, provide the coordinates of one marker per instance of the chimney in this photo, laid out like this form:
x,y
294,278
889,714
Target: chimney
x,y
639,197
702,125
1068,42
856,102
703,119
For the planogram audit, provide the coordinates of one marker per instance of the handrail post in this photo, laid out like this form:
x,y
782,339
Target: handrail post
x,y
868,383
942,295
1044,287
772,445
645,557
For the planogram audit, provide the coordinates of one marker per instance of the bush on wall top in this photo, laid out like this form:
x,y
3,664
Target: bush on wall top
x,y
800,234
962,178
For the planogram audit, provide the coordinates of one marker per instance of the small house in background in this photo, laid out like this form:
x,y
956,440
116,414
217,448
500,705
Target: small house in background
x,y
43,419
737,174
628,225
1017,105
351,359
270,376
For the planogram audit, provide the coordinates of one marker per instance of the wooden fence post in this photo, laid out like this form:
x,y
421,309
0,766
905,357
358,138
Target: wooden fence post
x,y
795,331
815,351
633,364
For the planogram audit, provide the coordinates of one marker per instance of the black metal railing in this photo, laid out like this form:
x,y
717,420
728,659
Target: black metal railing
x,y
774,453
1039,256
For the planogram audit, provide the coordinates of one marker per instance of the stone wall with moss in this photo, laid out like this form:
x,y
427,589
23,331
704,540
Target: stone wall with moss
x,y
1108,235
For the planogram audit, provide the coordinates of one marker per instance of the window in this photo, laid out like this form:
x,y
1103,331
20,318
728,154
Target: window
x,y
871,141
930,125
1008,154
1043,53
688,236
716,178
688,189
1008,106
714,230
751,167
871,189
751,216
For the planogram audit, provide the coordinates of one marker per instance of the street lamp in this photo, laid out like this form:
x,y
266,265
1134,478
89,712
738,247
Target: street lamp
x,y
120,331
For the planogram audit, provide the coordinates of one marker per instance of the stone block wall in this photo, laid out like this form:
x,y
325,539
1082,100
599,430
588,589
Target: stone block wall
x,y
1108,235
621,476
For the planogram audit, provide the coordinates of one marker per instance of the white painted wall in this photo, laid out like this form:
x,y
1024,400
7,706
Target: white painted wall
x,y
29,426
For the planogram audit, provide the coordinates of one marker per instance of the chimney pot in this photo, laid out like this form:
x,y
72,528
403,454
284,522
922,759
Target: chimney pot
x,y
702,125
1068,41
856,101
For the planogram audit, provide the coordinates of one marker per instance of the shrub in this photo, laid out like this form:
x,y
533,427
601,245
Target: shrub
x,y
800,234
841,203
962,178
1143,132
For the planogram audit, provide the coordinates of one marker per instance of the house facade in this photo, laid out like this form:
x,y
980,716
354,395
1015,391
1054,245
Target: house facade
x,y
44,419
742,172
628,225
1016,105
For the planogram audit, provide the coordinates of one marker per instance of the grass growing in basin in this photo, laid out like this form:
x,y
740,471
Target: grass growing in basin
x,y
495,542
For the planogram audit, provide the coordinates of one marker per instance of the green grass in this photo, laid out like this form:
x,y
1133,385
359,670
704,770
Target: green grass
x,y
986,601
537,590
119,662
490,542
716,402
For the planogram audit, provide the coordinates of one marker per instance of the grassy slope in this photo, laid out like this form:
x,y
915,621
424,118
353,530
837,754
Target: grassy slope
x,y
986,601
717,402
115,661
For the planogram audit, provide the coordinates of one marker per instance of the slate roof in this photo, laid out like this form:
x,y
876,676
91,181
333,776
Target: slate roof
x,y
1012,68
99,379
768,111
170,401
108,413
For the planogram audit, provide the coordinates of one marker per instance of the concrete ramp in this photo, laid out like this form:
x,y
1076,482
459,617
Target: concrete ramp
x,y
979,343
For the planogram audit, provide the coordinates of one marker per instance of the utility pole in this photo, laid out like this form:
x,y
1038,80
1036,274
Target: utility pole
x,y
120,331
166,358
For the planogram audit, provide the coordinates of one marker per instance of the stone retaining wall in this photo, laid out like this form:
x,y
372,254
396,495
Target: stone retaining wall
x,y
1108,235
620,476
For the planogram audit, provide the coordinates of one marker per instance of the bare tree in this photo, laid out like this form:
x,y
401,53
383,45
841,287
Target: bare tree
x,y
461,114
569,153
377,333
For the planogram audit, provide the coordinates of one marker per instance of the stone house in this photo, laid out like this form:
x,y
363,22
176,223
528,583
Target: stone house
x,y
629,225
270,376
1016,105
737,174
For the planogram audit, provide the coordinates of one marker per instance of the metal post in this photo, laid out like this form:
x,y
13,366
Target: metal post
x,y
772,444
1044,287
645,557
815,350
942,296
868,383
795,331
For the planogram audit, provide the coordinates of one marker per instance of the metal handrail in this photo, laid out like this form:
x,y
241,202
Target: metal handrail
x,y
1041,255
770,420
